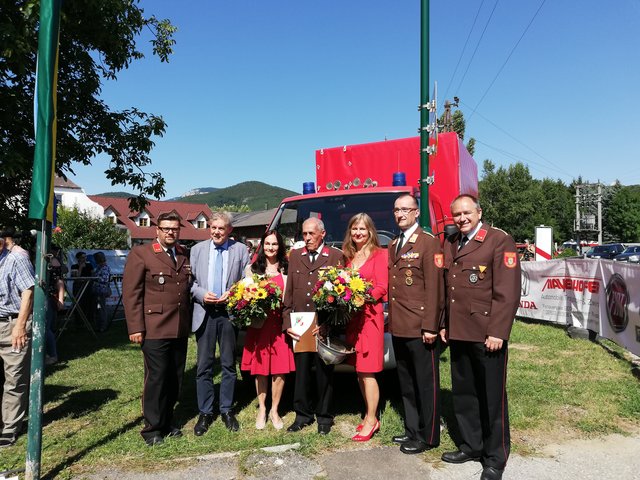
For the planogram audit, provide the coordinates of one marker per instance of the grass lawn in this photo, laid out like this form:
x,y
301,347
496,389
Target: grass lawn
x,y
559,388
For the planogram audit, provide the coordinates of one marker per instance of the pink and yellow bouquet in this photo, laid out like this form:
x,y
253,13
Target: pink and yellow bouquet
x,y
251,299
339,292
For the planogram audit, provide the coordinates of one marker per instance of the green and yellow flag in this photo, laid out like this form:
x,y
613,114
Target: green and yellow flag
x,y
41,200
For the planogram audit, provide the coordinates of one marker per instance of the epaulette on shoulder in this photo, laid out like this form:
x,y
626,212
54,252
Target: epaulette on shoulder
x,y
427,233
500,230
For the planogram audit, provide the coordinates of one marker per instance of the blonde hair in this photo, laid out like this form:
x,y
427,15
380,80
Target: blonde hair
x,y
349,247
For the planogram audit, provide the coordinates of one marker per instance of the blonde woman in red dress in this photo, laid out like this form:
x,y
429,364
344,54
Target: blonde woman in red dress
x,y
266,350
365,331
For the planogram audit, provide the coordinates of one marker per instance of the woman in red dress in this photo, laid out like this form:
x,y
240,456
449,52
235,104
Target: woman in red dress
x,y
365,331
266,351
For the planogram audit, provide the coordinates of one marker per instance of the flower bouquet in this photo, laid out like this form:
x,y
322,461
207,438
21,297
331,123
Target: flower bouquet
x,y
251,299
338,293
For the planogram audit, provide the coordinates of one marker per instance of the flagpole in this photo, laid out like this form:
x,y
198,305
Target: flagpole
x,y
40,312
425,215
41,209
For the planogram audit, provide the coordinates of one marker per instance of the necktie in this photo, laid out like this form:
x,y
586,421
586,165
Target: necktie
x,y
172,256
463,242
312,256
400,242
217,273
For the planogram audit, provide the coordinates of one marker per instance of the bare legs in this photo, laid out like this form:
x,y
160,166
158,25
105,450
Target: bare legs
x,y
371,394
277,385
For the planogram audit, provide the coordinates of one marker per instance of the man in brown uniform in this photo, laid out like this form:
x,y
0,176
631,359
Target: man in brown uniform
x,y
155,287
304,264
483,292
416,300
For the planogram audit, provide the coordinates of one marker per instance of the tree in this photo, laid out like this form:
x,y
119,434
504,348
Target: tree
x,y
79,230
516,202
622,221
98,39
471,146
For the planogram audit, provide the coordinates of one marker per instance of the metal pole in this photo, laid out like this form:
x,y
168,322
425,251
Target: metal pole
x,y
38,325
600,213
424,115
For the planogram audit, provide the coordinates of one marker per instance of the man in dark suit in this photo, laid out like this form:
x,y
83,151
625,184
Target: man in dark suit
x,y
416,300
217,264
156,301
483,293
304,266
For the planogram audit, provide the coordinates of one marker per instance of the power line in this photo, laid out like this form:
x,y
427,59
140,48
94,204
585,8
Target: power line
x,y
477,45
553,164
463,50
513,156
507,59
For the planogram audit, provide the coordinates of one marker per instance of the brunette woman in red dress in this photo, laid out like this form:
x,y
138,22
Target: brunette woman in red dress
x,y
266,350
365,331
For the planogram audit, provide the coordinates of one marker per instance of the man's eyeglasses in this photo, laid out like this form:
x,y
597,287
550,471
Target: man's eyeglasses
x,y
169,229
403,211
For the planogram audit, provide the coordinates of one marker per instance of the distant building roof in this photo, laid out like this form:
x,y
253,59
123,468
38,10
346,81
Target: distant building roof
x,y
251,219
62,183
187,212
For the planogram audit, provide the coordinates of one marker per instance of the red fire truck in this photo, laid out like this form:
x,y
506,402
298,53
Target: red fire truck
x,y
369,177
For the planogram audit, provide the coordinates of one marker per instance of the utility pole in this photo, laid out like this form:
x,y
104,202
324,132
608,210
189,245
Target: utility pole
x,y
588,224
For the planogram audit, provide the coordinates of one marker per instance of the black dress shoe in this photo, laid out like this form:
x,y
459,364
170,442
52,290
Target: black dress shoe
x,y
491,473
203,424
154,440
174,432
413,446
458,457
230,421
7,440
324,428
401,439
297,426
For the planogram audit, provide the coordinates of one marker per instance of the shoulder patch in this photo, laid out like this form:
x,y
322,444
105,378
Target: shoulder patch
x,y
510,259
427,233
438,259
500,230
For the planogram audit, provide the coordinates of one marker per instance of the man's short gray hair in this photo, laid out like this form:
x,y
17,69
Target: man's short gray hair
x,y
226,217
319,223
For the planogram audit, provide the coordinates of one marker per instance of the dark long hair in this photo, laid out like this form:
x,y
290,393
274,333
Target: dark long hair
x,y
260,264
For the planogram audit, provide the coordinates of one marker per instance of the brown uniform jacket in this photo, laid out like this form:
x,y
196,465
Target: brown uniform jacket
x,y
416,285
301,280
156,293
483,286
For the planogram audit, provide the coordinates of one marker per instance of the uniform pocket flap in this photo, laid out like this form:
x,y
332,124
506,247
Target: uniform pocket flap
x,y
481,307
155,308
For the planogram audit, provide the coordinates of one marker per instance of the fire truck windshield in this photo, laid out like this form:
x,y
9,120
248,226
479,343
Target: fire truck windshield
x,y
335,212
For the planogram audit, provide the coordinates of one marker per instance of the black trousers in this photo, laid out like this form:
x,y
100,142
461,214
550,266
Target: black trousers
x,y
418,366
164,361
478,380
303,403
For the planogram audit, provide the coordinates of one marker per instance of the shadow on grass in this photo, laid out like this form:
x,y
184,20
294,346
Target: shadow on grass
x,y
69,461
78,404
77,342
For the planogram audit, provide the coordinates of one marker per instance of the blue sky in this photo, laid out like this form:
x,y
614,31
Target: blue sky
x,y
255,87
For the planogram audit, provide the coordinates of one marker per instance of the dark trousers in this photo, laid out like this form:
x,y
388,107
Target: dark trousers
x,y
164,361
216,328
303,389
418,366
478,380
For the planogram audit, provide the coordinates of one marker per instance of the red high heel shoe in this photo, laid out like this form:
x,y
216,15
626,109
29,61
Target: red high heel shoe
x,y
365,438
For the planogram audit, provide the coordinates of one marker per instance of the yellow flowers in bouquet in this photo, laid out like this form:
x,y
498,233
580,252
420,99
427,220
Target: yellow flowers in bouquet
x,y
252,298
339,292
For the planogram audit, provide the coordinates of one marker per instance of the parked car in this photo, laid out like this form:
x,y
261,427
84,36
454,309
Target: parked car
x,y
607,251
631,254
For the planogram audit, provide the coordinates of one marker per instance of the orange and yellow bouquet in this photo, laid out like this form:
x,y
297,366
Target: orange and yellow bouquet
x,y
251,299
